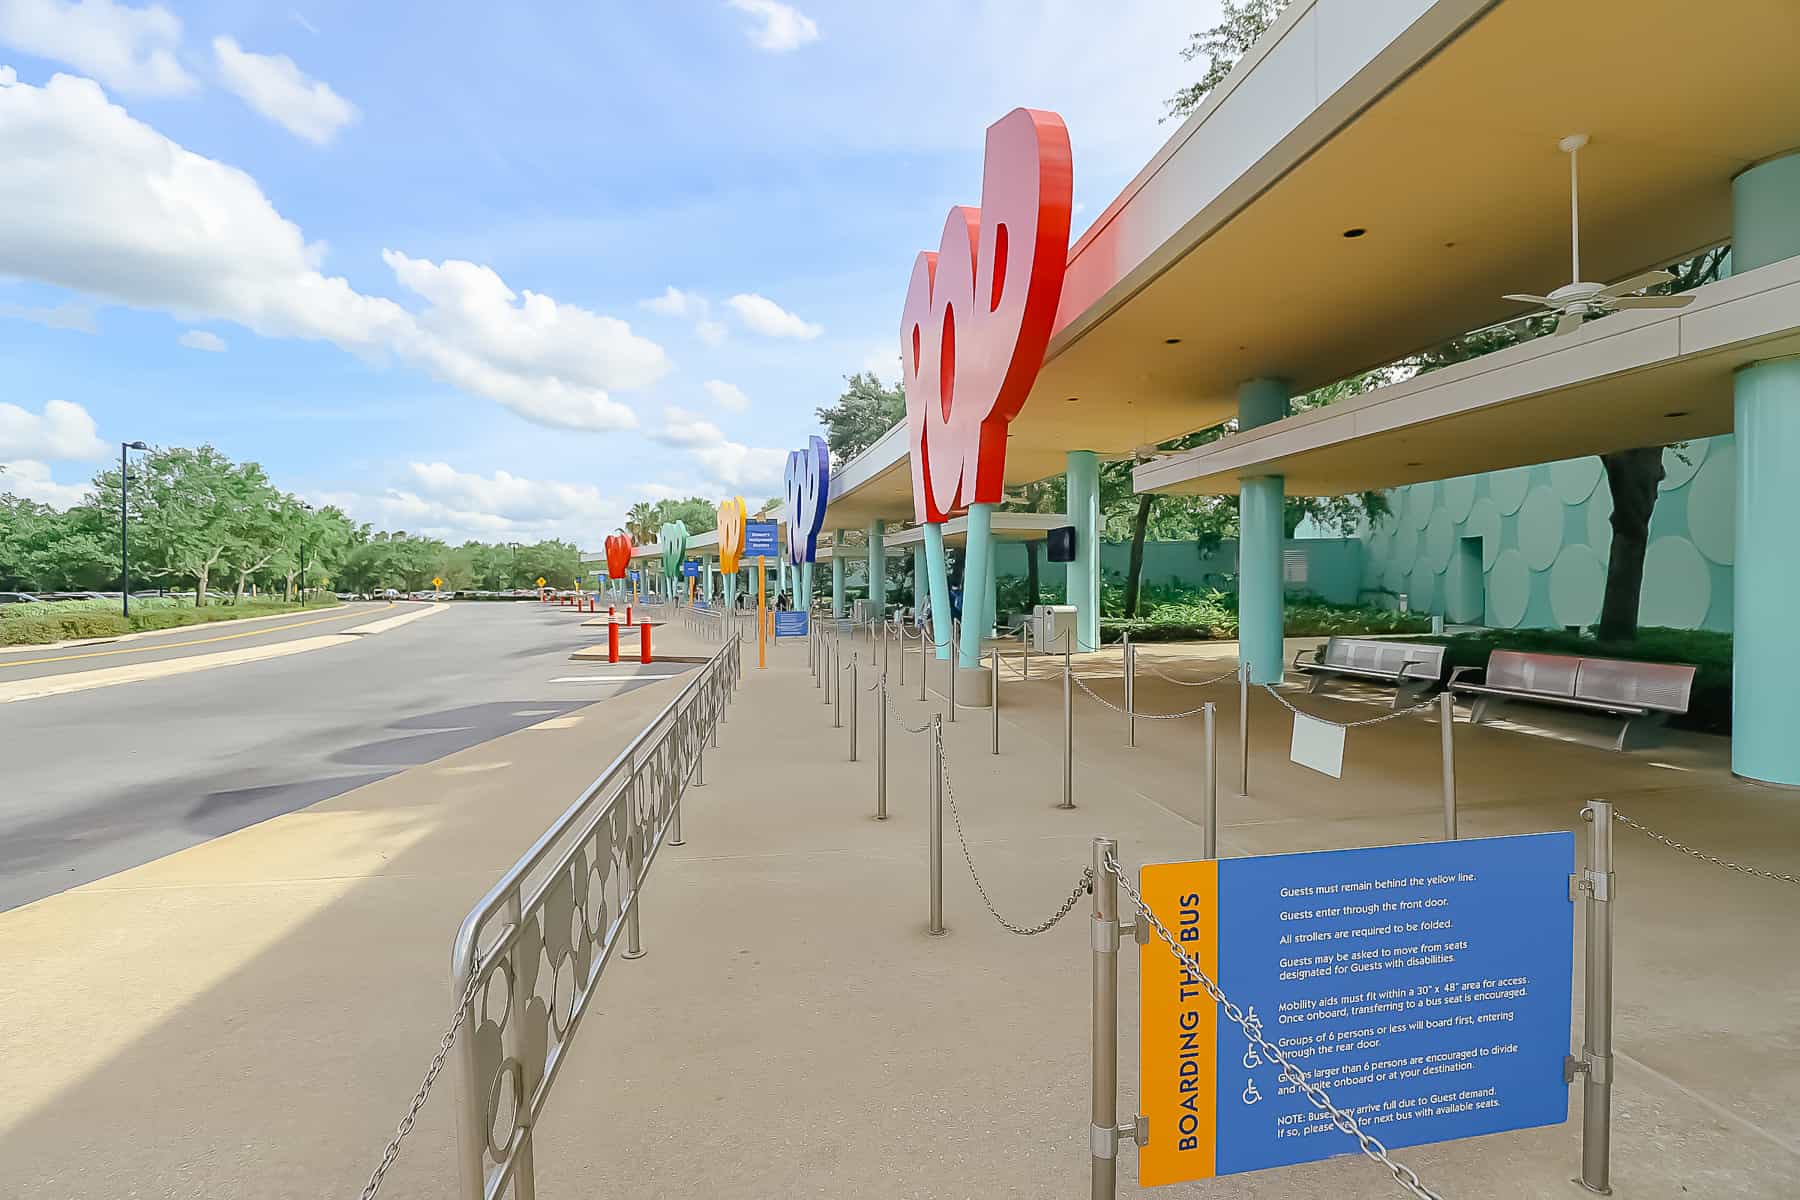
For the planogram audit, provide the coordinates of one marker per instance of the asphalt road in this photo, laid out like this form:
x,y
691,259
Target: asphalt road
x,y
93,782
36,662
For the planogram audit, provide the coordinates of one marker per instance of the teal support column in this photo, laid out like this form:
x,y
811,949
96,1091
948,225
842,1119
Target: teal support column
x,y
1084,571
1261,529
1765,212
990,592
877,569
938,583
803,601
921,589
978,564
837,573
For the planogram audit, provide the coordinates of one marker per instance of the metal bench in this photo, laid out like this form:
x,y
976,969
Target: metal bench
x,y
1413,668
1644,694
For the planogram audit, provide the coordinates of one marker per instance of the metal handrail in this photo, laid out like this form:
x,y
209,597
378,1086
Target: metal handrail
x,y
572,915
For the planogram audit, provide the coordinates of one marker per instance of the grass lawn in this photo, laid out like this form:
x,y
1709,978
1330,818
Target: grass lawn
x,y
66,620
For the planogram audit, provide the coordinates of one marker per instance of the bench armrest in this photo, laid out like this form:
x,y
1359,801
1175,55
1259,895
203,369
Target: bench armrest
x,y
1317,655
1457,673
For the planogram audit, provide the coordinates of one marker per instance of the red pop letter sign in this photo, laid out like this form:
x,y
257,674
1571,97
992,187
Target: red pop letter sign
x,y
979,313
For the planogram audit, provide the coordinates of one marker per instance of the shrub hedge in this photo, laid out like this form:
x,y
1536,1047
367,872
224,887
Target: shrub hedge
x,y
68,620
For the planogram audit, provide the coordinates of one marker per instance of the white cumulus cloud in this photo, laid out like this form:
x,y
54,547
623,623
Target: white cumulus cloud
x,y
676,303
762,315
202,339
779,27
97,202
727,465
30,480
131,50
278,89
64,430
440,500
727,395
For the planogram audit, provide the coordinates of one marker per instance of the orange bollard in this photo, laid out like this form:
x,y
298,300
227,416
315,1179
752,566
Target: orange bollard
x,y
644,642
612,643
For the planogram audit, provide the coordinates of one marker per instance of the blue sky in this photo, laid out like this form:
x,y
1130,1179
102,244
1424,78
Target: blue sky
x,y
498,271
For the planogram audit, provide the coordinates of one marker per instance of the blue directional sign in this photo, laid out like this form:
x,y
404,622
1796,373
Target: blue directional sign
x,y
761,539
690,568
1426,988
790,623
634,576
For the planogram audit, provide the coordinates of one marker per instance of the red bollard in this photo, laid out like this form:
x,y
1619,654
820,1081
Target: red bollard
x,y
644,642
612,642
628,614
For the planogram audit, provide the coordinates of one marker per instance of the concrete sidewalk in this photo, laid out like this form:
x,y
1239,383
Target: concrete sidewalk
x,y
249,1018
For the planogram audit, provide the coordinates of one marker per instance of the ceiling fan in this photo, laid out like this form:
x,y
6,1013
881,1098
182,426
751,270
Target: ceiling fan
x,y
1574,302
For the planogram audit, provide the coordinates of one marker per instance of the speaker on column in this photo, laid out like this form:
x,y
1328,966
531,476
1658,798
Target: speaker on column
x,y
1060,544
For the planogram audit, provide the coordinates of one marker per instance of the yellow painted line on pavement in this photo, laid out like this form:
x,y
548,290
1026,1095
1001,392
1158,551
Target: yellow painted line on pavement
x,y
224,637
81,681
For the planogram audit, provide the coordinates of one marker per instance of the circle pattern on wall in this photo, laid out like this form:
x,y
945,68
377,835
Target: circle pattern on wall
x,y
1421,498
1712,506
1406,548
1577,586
1421,588
1575,478
1599,523
1508,489
1677,585
1440,540
1680,464
1459,497
1540,528
1484,523
1509,590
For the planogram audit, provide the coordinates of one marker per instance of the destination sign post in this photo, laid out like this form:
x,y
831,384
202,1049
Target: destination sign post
x,y
762,542
1426,988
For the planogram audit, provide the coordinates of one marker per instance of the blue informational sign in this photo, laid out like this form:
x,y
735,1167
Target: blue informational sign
x,y
634,576
761,539
691,569
1426,988
789,623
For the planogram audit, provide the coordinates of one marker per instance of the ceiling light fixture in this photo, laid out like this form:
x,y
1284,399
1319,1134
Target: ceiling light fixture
x,y
1171,341
1357,232
1680,412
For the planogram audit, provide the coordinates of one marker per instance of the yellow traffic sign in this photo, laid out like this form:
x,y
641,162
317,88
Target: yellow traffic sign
x,y
540,581
437,583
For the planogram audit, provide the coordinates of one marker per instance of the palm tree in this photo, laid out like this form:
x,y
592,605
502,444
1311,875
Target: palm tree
x,y
641,523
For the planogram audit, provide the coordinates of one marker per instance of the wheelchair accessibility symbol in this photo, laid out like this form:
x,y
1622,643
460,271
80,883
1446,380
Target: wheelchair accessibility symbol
x,y
1251,1095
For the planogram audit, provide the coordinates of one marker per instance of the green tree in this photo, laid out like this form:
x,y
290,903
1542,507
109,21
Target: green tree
x,y
865,411
1241,22
183,509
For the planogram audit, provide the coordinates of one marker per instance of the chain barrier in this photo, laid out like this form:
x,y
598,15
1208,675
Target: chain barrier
x,y
1371,1146
1147,716
1684,848
1428,702
1231,674
893,712
392,1152
1083,887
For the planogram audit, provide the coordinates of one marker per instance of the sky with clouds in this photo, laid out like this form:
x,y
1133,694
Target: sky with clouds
x,y
498,271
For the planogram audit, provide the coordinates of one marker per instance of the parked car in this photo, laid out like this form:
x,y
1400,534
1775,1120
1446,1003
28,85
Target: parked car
x,y
17,598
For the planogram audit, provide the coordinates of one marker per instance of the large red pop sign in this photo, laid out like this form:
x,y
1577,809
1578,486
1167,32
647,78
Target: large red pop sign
x,y
618,555
979,313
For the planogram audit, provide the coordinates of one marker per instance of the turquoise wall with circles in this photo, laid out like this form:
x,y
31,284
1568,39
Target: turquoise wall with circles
x,y
1538,538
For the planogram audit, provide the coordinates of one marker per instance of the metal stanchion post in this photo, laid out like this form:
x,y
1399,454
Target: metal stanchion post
x,y
1130,692
881,725
1103,1131
1068,800
887,648
936,926
837,691
855,691
1447,736
955,669
1243,729
902,656
994,688
923,671
1596,1062
1209,787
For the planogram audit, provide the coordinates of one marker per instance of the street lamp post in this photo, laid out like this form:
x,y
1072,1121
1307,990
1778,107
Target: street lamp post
x,y
124,543
308,508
